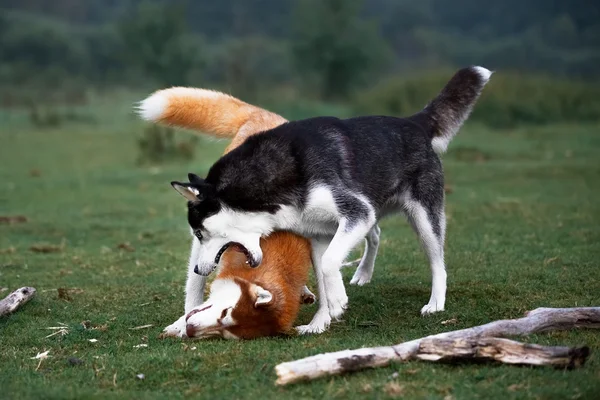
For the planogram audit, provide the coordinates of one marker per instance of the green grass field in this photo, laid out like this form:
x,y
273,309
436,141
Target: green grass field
x,y
523,232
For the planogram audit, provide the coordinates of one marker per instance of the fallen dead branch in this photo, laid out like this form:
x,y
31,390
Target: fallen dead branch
x,y
502,350
16,299
538,320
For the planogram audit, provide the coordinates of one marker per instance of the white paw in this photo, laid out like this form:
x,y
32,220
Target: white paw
x,y
309,329
431,308
176,329
319,324
360,278
337,299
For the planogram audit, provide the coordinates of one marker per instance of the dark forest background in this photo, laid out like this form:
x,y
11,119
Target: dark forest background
x,y
378,56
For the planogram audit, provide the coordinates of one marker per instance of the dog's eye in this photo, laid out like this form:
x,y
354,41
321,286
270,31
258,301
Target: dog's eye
x,y
198,234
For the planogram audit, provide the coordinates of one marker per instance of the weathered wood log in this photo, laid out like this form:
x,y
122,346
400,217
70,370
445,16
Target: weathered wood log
x,y
538,320
16,299
502,350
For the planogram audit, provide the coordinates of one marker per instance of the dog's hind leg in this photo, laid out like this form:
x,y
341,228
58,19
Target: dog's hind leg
x,y
321,320
429,223
364,272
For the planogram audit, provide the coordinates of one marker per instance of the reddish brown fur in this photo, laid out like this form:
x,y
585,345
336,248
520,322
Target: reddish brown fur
x,y
283,272
286,256
216,113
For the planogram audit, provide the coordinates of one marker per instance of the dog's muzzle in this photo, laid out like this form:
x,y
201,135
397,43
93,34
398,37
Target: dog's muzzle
x,y
197,270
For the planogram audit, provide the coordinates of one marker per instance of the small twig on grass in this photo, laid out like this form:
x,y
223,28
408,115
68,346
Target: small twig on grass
x,y
61,332
41,357
141,327
16,299
538,320
62,329
351,263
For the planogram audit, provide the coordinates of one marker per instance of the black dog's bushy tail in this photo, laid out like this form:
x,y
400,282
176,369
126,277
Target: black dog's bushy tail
x,y
449,110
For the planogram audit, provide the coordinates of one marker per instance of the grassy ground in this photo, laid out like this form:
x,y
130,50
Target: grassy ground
x,y
523,232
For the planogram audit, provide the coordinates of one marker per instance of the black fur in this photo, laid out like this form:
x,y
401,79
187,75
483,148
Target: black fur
x,y
378,157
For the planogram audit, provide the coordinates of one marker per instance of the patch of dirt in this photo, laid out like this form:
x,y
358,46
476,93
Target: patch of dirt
x,y
8,250
12,220
393,389
46,248
126,246
65,293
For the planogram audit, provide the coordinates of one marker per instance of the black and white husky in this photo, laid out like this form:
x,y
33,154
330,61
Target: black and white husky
x,y
331,180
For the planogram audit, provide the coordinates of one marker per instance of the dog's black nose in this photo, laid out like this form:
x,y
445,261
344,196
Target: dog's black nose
x,y
196,270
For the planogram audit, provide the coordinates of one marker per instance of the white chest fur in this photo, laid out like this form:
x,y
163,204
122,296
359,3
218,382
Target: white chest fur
x,y
320,215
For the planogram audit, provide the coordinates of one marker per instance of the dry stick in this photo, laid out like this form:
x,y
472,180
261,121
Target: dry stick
x,y
538,320
502,350
16,299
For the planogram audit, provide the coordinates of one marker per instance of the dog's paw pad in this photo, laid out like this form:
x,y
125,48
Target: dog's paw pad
x,y
308,298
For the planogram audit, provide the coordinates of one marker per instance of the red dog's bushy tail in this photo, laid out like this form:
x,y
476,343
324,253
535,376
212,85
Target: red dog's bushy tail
x,y
211,112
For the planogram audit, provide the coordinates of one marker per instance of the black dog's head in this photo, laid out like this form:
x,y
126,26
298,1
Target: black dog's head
x,y
217,226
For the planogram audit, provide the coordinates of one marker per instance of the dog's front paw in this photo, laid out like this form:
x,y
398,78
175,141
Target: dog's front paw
x,y
319,324
337,307
431,308
310,329
337,300
176,329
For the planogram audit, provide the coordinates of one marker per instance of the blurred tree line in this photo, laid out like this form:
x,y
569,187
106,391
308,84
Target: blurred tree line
x,y
323,48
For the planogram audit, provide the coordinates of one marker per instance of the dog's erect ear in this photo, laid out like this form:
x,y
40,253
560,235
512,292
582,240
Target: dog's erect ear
x,y
195,179
186,190
262,296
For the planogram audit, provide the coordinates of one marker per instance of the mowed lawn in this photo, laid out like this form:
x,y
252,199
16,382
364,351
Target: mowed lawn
x,y
523,232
